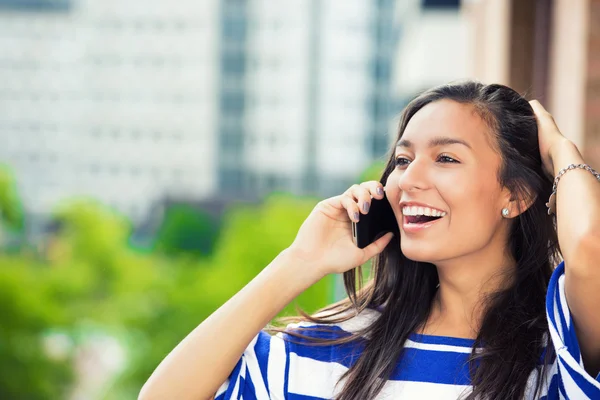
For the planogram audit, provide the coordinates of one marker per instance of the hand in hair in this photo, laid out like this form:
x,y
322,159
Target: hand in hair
x,y
548,135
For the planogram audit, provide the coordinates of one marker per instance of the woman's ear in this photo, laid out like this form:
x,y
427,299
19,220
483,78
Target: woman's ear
x,y
521,200
518,201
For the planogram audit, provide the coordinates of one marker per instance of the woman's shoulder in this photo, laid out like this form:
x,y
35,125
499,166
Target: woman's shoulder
x,y
349,322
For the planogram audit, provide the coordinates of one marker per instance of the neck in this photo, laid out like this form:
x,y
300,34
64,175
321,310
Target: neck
x,y
465,283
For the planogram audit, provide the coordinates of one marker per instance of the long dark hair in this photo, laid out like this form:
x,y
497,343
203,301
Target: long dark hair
x,y
514,330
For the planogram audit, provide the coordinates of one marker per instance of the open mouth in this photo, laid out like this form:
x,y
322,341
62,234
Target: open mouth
x,y
420,219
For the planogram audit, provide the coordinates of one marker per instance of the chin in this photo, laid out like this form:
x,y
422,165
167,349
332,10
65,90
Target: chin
x,y
419,253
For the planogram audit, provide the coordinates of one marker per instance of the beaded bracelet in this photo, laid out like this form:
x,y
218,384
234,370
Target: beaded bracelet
x,y
551,204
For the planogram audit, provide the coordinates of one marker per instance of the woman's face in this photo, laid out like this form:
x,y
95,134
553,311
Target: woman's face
x,y
444,160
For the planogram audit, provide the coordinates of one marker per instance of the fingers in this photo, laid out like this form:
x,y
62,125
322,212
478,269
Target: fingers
x,y
377,246
362,194
537,106
540,112
357,199
349,203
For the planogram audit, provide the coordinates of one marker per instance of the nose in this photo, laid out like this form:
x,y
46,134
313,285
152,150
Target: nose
x,y
414,177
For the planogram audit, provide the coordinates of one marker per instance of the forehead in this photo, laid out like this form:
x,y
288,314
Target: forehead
x,y
447,118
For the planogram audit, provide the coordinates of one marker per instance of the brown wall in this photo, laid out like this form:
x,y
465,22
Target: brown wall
x,y
592,89
548,50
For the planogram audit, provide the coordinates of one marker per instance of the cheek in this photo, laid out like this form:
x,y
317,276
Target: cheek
x,y
472,206
392,191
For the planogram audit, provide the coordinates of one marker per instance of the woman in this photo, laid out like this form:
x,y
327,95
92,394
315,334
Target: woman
x,y
465,305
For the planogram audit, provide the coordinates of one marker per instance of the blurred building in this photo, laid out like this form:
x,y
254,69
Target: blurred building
x,y
434,46
548,50
135,102
305,93
111,99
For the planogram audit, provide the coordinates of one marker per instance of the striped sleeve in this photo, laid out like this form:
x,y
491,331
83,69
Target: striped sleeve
x,y
574,382
260,372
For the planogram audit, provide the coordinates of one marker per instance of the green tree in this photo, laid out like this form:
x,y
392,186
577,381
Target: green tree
x,y
251,236
91,279
373,172
28,309
186,230
11,211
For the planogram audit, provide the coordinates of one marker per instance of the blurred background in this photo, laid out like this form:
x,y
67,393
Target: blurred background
x,y
155,155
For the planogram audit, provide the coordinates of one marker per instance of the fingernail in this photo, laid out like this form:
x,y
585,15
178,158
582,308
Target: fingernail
x,y
366,207
356,216
379,191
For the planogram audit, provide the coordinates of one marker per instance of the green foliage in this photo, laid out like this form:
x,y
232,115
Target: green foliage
x,y
89,276
27,311
373,173
11,212
251,237
186,230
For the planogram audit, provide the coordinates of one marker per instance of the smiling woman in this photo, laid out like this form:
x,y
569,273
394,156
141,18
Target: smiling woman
x,y
465,303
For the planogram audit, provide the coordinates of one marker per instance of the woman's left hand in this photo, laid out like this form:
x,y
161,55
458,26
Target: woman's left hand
x,y
549,136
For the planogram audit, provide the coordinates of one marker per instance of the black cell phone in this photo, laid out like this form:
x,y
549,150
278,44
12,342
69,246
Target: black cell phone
x,y
377,222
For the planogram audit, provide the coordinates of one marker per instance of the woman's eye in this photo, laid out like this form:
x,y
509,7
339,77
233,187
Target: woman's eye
x,y
443,158
447,158
401,161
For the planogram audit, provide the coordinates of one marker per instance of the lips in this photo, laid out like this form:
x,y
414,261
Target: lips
x,y
420,219
413,227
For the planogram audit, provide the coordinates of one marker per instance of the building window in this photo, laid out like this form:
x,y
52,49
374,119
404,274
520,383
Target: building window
x,y
234,27
233,63
440,3
230,179
232,102
46,5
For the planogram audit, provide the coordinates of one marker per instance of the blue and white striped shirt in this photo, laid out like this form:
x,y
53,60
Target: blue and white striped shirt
x,y
433,367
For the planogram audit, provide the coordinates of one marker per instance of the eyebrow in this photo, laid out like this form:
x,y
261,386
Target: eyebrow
x,y
434,142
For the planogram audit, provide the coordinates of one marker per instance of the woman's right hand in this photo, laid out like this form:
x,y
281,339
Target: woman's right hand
x,y
325,238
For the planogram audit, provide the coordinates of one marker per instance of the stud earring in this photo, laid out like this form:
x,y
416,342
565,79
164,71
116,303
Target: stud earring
x,y
505,212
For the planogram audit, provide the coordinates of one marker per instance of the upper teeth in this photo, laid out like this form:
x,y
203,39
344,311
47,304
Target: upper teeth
x,y
430,212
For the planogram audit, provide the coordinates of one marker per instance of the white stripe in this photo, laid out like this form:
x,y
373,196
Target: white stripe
x,y
422,391
353,325
563,301
571,388
567,358
254,371
557,320
437,347
276,368
312,377
222,388
316,378
560,396
532,382
554,334
236,389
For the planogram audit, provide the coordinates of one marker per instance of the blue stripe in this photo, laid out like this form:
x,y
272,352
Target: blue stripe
x,y
587,387
234,377
417,364
295,396
249,390
287,369
561,312
552,288
345,354
262,349
542,359
433,366
569,336
561,387
552,389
